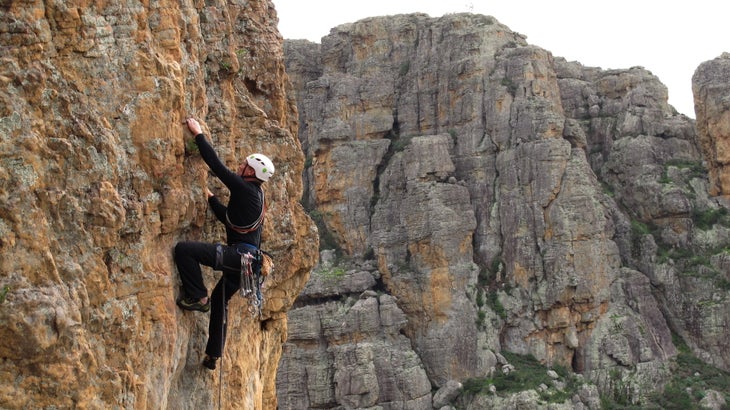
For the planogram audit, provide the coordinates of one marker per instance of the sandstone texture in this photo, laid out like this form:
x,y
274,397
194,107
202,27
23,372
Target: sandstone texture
x,y
98,182
502,199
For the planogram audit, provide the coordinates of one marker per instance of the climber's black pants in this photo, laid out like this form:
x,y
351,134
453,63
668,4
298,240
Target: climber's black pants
x,y
188,258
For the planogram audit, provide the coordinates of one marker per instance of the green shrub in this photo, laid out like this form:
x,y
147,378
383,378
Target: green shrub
x,y
496,305
511,86
706,219
691,379
476,385
4,293
485,277
480,298
404,68
400,143
336,273
481,317
639,228
191,147
723,284
697,170
608,189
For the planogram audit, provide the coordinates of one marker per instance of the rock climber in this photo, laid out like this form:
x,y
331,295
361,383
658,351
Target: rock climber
x,y
243,218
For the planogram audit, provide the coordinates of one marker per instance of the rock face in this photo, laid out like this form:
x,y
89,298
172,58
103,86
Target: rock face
x,y
510,200
97,184
345,347
711,90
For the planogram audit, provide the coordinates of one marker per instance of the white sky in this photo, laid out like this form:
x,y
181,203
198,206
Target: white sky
x,y
669,38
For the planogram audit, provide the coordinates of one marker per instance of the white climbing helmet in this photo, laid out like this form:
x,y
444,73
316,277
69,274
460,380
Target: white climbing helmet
x,y
262,165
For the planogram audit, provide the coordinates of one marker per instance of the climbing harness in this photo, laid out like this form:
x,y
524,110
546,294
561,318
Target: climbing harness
x,y
251,274
255,224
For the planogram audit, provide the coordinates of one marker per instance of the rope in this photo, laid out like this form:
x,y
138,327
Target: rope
x,y
250,288
223,335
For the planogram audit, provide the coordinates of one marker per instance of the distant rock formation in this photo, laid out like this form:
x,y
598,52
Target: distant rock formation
x,y
712,104
504,199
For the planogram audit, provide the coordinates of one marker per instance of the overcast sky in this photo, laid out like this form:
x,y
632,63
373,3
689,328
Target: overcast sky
x,y
670,39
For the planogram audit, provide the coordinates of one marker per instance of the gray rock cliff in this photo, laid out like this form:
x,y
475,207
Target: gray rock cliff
x,y
503,199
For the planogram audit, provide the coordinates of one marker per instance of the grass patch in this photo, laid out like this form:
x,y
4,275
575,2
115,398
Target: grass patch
x,y
4,293
488,276
335,274
400,143
608,189
480,298
528,374
510,85
706,219
638,231
225,65
191,147
487,288
639,228
691,379
665,254
695,168
496,306
481,317
690,169
723,284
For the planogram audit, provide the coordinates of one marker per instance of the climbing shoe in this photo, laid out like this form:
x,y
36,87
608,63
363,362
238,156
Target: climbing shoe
x,y
210,361
192,304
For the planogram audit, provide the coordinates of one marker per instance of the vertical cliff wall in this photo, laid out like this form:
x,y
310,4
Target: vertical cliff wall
x,y
98,181
711,91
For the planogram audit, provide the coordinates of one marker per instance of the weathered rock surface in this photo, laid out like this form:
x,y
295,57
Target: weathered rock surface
x,y
96,187
530,399
511,199
346,348
712,105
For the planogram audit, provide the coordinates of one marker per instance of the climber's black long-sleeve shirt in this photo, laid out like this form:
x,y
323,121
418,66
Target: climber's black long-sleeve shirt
x,y
246,201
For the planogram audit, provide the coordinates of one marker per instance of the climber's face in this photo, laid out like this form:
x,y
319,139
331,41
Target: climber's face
x,y
245,170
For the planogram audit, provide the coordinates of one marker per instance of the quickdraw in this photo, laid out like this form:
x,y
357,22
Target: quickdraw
x,y
251,281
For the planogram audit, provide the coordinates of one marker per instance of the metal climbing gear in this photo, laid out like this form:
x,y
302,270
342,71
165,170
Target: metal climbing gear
x,y
251,276
251,280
